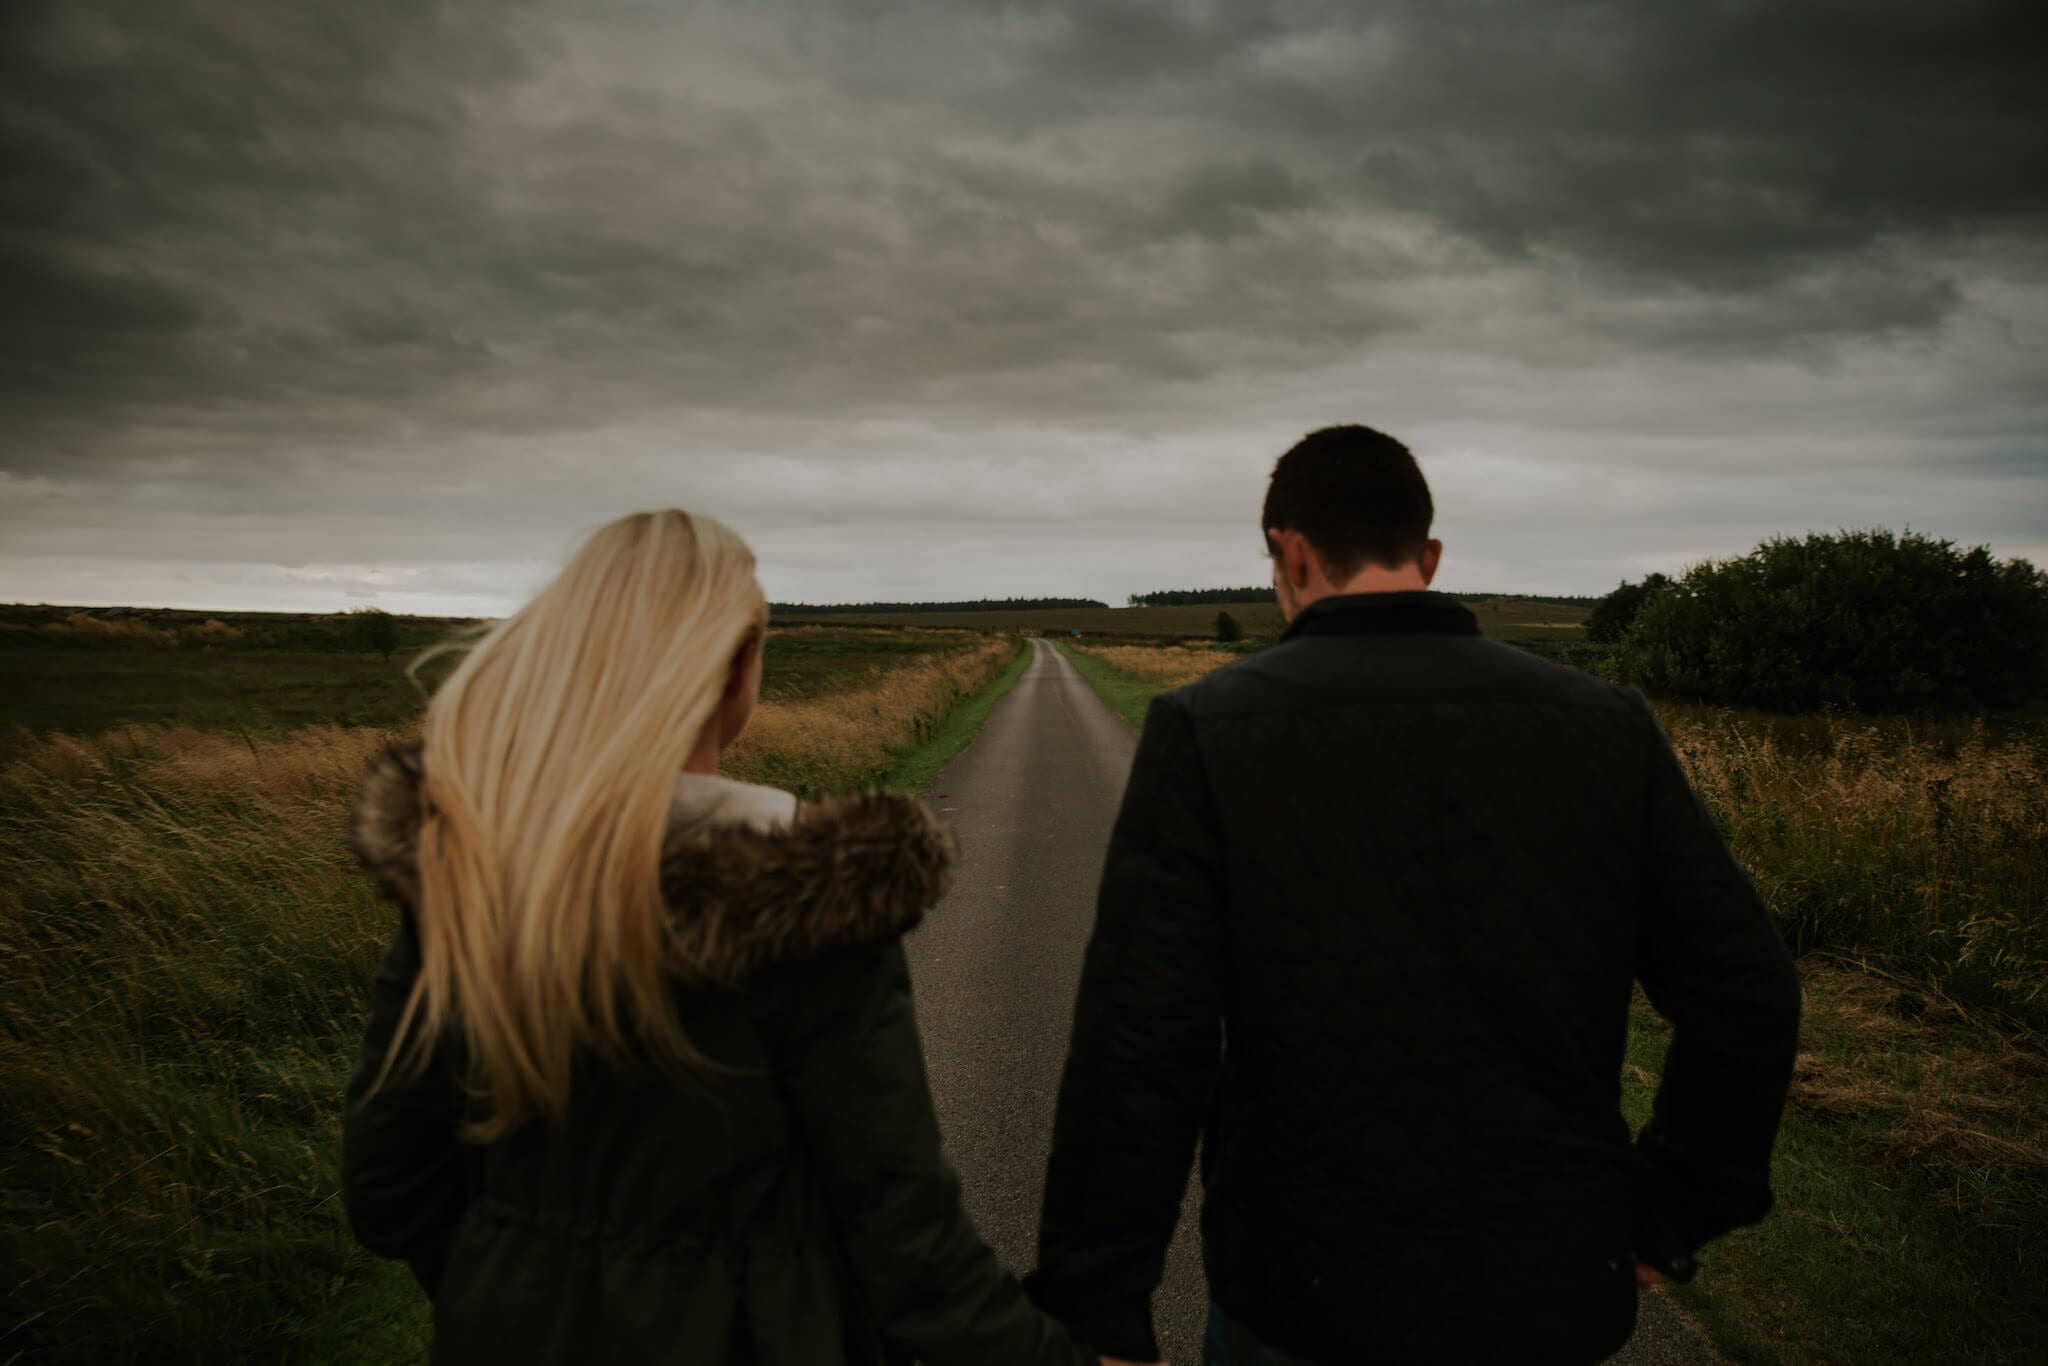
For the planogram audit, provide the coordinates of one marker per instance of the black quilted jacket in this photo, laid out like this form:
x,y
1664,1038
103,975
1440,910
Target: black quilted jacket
x,y
1369,926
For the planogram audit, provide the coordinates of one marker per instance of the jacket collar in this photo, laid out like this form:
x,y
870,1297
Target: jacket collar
x,y
1358,614
741,894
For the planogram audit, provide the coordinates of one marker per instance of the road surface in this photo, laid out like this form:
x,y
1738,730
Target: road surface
x,y
1031,802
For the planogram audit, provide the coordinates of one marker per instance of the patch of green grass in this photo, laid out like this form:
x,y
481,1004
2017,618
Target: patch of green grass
x,y
1127,696
384,1319
1912,1190
917,765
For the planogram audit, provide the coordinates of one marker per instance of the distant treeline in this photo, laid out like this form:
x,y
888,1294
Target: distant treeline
x,y
1196,597
44,626
978,605
1184,597
1559,599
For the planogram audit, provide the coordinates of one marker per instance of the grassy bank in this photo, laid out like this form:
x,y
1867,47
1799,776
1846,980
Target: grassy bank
x,y
855,735
1910,862
1128,677
917,764
185,951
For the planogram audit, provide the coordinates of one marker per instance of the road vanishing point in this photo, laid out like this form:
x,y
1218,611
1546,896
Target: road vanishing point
x,y
996,966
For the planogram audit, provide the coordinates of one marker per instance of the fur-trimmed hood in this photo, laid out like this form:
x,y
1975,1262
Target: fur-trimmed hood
x,y
844,871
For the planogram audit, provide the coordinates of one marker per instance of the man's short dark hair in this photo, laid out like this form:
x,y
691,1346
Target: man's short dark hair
x,y
1356,494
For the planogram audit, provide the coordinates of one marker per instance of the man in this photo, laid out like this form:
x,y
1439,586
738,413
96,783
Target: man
x,y
1371,916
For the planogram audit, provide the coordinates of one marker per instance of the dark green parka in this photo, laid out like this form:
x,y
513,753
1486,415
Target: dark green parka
x,y
793,1209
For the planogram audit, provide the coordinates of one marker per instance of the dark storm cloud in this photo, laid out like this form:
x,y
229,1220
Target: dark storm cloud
x,y
170,166
1717,141
268,260
240,197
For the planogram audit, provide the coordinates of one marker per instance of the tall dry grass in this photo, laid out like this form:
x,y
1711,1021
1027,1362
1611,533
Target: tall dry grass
x,y
1869,838
848,737
185,953
1163,666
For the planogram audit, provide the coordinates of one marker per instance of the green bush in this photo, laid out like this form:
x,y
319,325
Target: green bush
x,y
1593,657
1860,619
1614,614
1227,629
374,629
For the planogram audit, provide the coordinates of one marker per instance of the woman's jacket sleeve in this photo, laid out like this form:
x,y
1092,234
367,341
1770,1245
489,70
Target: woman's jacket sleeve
x,y
402,1177
854,1071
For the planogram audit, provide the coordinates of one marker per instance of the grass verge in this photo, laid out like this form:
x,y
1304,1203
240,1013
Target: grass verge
x,y
1127,695
916,765
852,738
1912,1185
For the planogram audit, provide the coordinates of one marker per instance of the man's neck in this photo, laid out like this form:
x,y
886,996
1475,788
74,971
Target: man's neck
x,y
1376,578
1373,578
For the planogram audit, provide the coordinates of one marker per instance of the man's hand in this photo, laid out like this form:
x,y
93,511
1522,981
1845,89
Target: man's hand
x,y
1647,1276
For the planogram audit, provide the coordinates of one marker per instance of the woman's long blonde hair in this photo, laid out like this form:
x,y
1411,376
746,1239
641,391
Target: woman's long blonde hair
x,y
551,758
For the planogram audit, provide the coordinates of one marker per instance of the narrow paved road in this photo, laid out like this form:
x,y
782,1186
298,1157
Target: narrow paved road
x,y
1031,802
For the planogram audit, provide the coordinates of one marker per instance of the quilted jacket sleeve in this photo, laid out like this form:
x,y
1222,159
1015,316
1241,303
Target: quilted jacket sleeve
x,y
854,1072
402,1178
1147,1047
1711,963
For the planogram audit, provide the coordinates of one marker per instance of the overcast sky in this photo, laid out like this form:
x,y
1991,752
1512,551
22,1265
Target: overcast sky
x,y
389,301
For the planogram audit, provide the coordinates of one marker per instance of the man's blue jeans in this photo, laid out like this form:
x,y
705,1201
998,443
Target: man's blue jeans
x,y
1230,1343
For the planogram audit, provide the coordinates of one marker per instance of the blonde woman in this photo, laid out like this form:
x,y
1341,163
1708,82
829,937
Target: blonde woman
x,y
642,1081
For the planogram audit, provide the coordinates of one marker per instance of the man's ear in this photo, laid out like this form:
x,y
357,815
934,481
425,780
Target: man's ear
x,y
1291,550
1432,555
